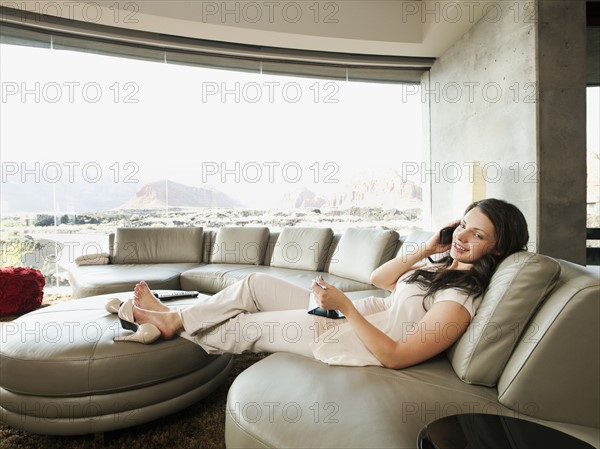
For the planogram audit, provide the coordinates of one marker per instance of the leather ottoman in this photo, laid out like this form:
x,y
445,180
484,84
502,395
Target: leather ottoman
x,y
62,374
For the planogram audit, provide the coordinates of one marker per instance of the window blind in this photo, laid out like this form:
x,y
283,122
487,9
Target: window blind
x,y
19,27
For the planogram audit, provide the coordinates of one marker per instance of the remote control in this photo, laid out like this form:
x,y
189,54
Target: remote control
x,y
316,281
173,295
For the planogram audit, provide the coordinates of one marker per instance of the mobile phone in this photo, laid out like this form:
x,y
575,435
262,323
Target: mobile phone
x,y
333,314
314,309
446,235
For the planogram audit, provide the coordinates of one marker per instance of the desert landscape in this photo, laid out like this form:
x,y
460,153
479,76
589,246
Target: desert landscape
x,y
51,243
47,225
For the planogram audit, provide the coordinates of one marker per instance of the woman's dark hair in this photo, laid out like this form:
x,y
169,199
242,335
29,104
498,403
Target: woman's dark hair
x,y
512,235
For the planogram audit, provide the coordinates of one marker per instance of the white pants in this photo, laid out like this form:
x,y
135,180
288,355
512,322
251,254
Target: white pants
x,y
261,313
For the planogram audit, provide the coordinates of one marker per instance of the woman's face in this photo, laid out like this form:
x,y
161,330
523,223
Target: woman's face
x,y
474,237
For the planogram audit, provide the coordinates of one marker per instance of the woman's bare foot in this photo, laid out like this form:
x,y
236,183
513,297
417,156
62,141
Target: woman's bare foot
x,y
168,323
144,299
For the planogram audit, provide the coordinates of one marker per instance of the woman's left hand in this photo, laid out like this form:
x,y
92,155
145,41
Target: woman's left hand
x,y
330,297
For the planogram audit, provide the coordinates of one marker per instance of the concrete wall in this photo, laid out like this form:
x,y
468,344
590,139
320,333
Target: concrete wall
x,y
502,122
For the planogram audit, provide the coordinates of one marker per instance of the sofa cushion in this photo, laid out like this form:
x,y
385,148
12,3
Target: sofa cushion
x,y
290,401
302,248
213,277
360,251
519,285
158,245
240,245
415,242
89,280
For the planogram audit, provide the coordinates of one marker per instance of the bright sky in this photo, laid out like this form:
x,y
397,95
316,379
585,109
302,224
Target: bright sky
x,y
158,121
144,121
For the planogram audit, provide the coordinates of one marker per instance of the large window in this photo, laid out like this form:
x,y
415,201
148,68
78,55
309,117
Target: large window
x,y
92,142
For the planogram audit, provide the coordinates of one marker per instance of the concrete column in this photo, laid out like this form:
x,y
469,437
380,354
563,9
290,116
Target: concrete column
x,y
561,82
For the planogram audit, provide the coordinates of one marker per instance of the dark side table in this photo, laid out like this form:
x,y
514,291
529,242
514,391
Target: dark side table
x,y
484,431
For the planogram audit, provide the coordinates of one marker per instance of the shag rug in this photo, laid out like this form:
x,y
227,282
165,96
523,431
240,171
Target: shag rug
x,y
201,425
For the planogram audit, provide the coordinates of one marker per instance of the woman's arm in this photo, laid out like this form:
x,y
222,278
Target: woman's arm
x,y
387,275
439,329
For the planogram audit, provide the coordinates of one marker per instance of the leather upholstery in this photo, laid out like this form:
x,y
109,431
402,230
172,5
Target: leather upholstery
x,y
215,277
210,276
360,251
158,245
551,377
556,365
302,248
517,288
290,401
91,280
63,374
240,245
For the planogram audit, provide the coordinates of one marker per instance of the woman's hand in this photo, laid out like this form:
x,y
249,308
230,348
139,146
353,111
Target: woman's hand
x,y
330,297
409,258
434,246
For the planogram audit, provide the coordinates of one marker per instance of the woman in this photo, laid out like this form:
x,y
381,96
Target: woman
x,y
430,307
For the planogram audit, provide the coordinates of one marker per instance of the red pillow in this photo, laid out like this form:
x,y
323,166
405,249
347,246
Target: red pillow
x,y
21,290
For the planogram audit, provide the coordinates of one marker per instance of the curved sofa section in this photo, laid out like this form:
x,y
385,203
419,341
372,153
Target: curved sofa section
x,y
62,373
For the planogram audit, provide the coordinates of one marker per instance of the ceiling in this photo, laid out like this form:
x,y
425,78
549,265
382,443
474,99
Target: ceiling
x,y
374,27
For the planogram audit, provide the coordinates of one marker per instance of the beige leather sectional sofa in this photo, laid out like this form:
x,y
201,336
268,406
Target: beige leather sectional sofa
x,y
191,258
532,350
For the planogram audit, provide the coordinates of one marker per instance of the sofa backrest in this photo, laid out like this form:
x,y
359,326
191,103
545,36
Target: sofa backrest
x,y
359,251
554,370
519,285
137,245
370,247
301,248
157,245
239,245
